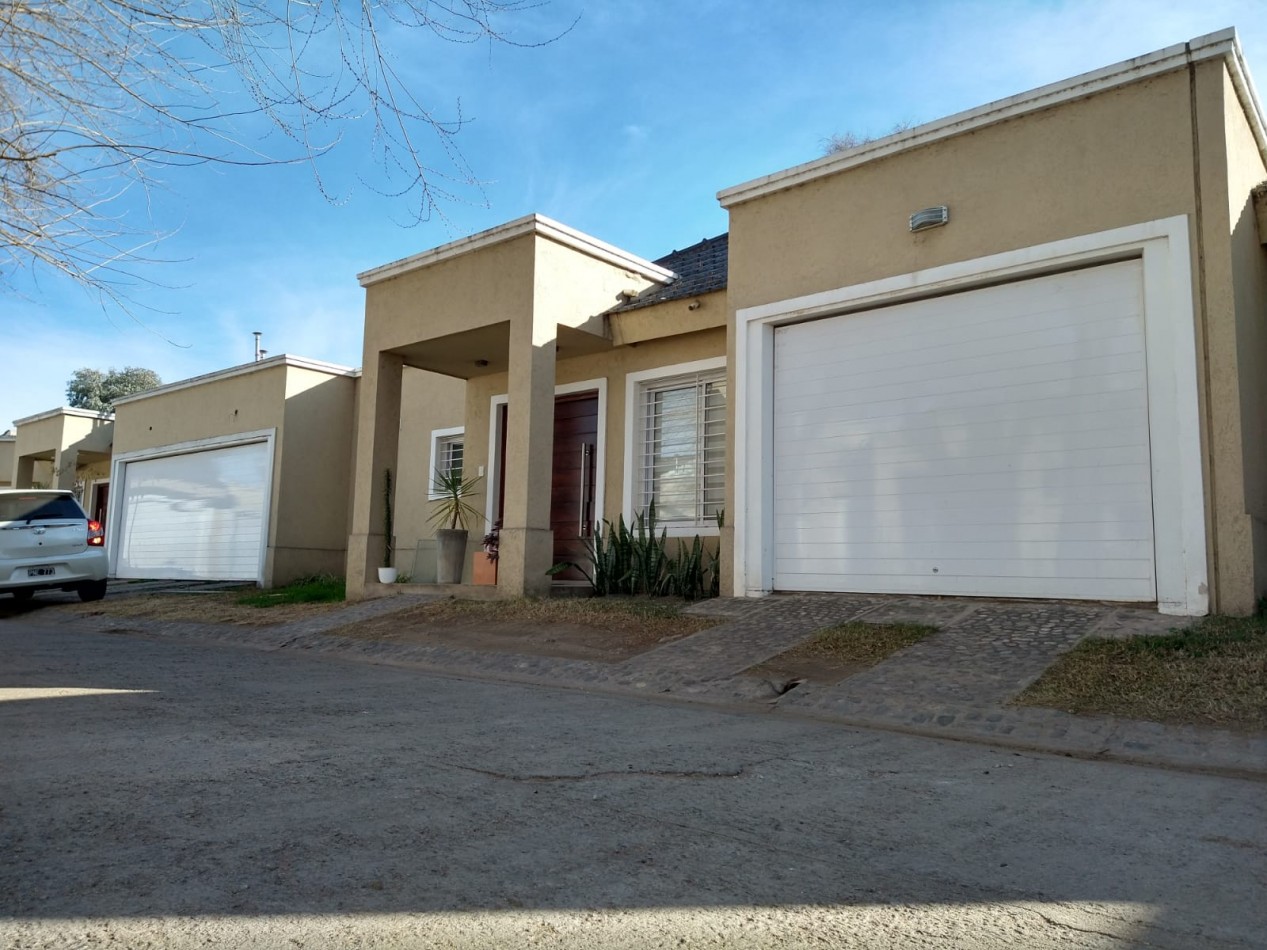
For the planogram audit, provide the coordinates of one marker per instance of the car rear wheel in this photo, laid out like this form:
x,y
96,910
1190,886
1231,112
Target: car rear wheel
x,y
92,590
23,594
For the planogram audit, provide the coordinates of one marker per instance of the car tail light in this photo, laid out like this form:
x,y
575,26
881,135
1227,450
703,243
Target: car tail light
x,y
96,534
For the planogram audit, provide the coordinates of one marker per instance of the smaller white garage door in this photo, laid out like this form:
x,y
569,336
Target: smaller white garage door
x,y
200,515
992,442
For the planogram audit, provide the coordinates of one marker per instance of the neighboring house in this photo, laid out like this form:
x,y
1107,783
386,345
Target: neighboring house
x,y
8,440
1059,392
64,448
240,474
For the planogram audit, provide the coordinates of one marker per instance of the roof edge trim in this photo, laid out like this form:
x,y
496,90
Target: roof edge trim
x,y
529,224
283,359
1223,43
64,411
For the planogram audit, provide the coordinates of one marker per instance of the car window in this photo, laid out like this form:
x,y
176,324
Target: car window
x,y
39,508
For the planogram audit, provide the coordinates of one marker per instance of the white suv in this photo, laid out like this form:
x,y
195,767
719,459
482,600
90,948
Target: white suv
x,y
48,543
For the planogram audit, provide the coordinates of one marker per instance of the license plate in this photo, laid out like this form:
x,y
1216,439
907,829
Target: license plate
x,y
40,571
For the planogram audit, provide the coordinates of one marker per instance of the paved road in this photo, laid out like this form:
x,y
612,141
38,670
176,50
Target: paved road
x,y
158,793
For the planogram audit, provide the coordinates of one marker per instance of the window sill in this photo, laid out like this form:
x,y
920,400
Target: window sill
x,y
683,530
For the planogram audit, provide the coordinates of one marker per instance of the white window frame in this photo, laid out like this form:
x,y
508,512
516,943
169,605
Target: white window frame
x,y
635,383
437,437
1179,527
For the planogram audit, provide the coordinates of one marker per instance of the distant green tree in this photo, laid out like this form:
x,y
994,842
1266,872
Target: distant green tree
x,y
92,389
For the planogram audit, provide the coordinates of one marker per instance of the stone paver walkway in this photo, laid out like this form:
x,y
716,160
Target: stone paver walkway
x,y
954,684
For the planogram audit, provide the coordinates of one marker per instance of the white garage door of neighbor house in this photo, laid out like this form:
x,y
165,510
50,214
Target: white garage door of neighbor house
x,y
992,442
199,515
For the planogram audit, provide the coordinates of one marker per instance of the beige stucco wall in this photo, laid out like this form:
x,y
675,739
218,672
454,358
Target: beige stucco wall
x,y
1248,262
7,457
1118,158
61,451
247,402
428,401
314,468
489,286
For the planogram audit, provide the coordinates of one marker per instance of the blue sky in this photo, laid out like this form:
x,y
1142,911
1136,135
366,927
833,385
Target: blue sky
x,y
625,127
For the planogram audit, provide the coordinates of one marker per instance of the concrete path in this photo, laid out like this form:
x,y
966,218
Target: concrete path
x,y
956,684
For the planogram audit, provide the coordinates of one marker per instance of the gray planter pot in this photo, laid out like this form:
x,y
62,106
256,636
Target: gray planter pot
x,y
450,555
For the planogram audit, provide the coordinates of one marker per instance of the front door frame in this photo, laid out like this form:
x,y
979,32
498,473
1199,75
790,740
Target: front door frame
x,y
496,435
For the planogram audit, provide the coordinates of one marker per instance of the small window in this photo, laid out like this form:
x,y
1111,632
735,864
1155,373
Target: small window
x,y
682,434
446,455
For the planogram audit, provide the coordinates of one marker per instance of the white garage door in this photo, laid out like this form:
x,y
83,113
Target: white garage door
x,y
199,515
992,442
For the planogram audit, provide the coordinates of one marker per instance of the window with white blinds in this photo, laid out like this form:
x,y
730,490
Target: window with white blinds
x,y
682,436
446,455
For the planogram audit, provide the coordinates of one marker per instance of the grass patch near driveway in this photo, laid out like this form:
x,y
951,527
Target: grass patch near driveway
x,y
1212,674
838,652
309,590
604,629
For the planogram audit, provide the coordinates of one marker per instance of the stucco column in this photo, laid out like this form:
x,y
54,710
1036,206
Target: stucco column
x,y
64,463
23,472
527,543
377,436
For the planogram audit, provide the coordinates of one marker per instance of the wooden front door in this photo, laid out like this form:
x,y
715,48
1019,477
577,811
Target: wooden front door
x,y
572,513
572,491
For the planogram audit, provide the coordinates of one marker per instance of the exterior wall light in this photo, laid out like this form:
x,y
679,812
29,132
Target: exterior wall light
x,y
930,218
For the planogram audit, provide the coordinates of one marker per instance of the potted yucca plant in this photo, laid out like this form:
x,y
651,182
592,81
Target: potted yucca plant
x,y
452,512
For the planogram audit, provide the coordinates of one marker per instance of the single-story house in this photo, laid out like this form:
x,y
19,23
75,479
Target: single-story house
x,y
63,448
240,474
1018,352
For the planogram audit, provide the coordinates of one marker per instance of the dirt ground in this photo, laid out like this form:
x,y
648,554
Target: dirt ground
x,y
201,607
604,631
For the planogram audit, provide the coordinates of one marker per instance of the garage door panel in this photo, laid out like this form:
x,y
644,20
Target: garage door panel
x,y
196,515
948,551
1112,503
1088,588
1032,349
1127,570
1116,373
1000,452
974,449
817,533
943,465
1024,487
1022,315
1084,412
1121,389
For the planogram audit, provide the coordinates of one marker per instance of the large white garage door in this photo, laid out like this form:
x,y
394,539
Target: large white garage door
x,y
198,515
992,442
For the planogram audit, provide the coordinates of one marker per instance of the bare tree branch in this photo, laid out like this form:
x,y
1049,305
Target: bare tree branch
x,y
97,96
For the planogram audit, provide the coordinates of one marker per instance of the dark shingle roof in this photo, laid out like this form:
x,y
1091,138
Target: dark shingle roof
x,y
700,269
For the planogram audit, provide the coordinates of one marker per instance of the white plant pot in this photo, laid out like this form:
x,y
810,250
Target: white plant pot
x,y
387,575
